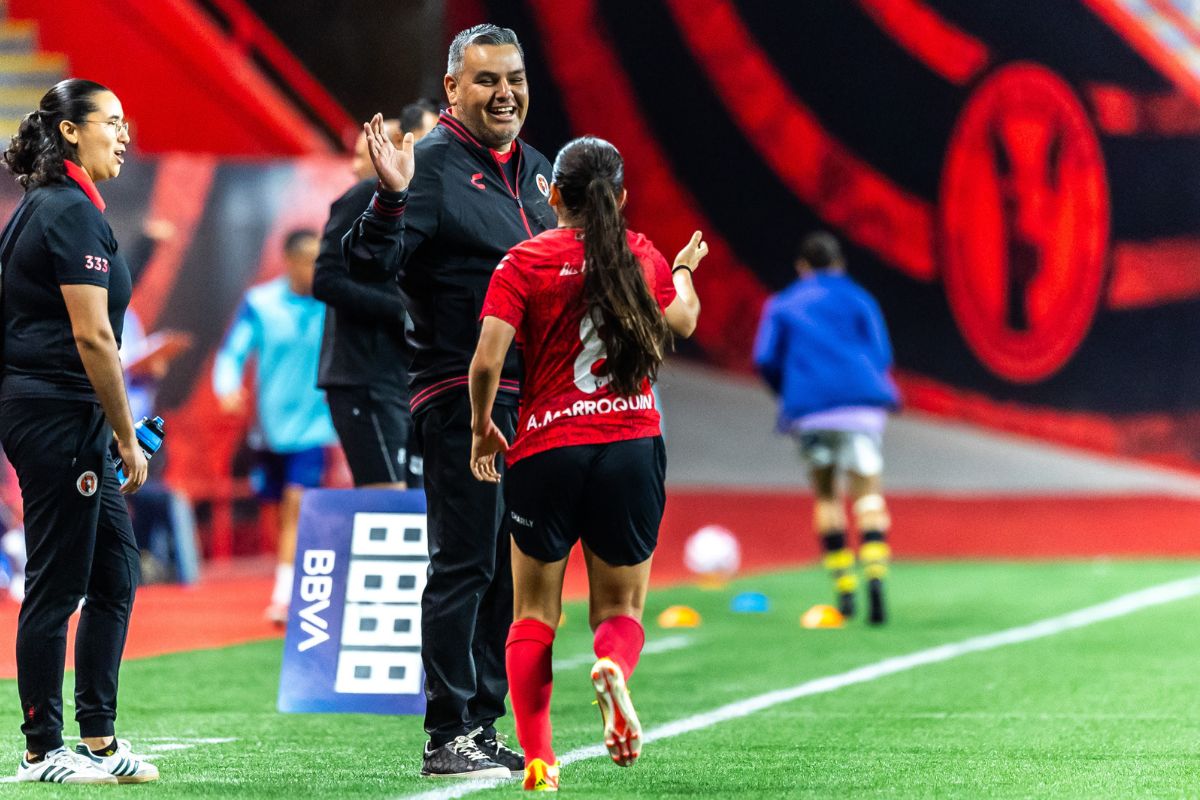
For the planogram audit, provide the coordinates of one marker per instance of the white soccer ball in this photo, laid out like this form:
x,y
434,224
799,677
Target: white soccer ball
x,y
712,550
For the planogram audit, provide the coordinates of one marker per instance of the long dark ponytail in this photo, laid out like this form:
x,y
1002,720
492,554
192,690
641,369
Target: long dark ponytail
x,y
590,175
36,154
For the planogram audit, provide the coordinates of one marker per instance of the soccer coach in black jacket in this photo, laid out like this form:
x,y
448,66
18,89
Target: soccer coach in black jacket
x,y
445,213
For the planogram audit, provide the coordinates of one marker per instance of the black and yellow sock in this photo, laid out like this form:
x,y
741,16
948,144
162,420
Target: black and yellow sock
x,y
106,751
875,555
839,563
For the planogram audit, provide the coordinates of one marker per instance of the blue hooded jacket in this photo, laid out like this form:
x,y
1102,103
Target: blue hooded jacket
x,y
822,344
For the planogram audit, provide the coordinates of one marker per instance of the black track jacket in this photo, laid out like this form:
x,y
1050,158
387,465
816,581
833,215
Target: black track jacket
x,y
363,343
442,238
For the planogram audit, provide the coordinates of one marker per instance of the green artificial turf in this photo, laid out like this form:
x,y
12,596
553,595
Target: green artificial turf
x,y
1107,710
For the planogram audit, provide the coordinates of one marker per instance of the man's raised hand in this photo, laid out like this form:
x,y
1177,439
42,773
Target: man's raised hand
x,y
394,165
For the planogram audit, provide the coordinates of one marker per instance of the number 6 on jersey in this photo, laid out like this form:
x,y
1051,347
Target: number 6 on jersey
x,y
590,359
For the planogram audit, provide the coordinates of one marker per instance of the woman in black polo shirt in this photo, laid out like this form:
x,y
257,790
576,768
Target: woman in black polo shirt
x,y
63,294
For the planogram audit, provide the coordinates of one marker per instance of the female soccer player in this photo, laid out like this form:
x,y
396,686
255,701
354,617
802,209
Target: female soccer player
x,y
592,307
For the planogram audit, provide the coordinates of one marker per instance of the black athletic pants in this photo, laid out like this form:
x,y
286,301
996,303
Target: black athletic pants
x,y
467,606
80,543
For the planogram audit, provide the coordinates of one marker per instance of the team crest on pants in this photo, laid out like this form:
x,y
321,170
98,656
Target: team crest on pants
x,y
87,483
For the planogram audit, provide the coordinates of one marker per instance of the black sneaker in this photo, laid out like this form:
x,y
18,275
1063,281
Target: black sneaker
x,y
876,614
495,749
460,758
846,604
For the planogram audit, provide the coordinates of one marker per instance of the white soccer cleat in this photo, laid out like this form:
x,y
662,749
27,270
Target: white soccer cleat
x,y
62,766
622,730
122,764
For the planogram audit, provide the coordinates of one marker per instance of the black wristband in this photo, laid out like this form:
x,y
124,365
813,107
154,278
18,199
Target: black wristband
x,y
678,267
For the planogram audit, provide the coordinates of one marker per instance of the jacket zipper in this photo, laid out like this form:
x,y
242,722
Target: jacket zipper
x,y
516,196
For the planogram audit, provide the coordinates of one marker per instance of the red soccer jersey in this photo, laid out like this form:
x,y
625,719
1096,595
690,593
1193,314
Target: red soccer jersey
x,y
538,289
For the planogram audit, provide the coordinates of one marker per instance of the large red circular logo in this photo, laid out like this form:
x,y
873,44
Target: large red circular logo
x,y
1023,222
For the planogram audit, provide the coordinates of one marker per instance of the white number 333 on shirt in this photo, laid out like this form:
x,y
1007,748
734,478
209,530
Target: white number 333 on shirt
x,y
95,262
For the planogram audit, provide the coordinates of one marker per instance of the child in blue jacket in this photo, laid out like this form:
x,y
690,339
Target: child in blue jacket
x,y
823,347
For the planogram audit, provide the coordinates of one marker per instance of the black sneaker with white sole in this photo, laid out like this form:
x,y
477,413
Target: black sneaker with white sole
x,y
494,748
460,758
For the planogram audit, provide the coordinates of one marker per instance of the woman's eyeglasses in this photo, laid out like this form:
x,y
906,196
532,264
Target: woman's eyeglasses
x,y
119,126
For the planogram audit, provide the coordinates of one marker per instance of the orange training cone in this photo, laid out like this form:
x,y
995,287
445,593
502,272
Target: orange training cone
x,y
679,617
820,617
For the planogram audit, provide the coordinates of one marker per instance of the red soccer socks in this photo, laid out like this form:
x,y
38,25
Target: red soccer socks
x,y
621,639
530,680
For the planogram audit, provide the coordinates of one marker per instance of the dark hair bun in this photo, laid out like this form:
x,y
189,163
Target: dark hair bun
x,y
37,152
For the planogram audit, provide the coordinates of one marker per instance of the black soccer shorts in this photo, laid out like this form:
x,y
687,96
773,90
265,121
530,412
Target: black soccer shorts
x,y
609,495
375,430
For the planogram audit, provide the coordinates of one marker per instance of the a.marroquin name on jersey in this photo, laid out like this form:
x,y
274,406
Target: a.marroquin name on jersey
x,y
581,408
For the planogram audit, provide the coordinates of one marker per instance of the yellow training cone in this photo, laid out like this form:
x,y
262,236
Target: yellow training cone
x,y
562,618
822,617
679,617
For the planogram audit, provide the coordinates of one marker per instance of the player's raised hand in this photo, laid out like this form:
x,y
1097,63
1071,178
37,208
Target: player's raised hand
x,y
394,165
692,252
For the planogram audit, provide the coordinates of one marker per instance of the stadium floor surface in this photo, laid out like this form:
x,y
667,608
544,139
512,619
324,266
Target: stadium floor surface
x,y
1097,706
226,607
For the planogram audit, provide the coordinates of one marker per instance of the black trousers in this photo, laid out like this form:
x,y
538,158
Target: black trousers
x,y
466,609
80,544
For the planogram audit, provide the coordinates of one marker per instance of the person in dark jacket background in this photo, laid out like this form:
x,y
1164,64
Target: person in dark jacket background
x,y
364,360
445,213
418,118
66,287
823,347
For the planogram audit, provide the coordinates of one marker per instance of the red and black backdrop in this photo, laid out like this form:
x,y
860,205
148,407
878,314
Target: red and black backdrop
x,y
1017,186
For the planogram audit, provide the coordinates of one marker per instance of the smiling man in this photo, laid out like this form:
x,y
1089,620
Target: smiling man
x,y
445,213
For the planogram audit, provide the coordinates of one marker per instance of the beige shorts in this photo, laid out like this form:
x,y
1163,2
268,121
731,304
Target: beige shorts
x,y
860,453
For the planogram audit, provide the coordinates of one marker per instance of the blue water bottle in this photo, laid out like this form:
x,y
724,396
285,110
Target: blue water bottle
x,y
150,437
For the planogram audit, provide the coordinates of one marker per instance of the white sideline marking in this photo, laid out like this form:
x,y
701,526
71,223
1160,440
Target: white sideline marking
x,y
1117,607
664,645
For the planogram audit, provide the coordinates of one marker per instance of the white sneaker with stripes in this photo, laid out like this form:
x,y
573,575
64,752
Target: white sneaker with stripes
x,y
121,764
62,766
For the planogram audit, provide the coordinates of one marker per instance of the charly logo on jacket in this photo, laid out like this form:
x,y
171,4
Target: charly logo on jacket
x,y
543,185
87,483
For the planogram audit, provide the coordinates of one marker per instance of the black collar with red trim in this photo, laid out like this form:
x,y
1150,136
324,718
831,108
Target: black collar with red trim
x,y
460,132
80,176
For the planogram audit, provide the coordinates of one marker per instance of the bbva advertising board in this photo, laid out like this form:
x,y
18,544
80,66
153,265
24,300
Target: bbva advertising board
x,y
354,625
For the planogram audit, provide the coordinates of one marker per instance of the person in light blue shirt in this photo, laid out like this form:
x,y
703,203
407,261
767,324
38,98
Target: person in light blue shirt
x,y
280,324
823,347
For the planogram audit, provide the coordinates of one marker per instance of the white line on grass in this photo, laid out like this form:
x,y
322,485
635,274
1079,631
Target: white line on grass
x,y
663,645
1117,607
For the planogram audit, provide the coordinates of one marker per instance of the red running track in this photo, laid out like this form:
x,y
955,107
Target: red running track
x,y
773,528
